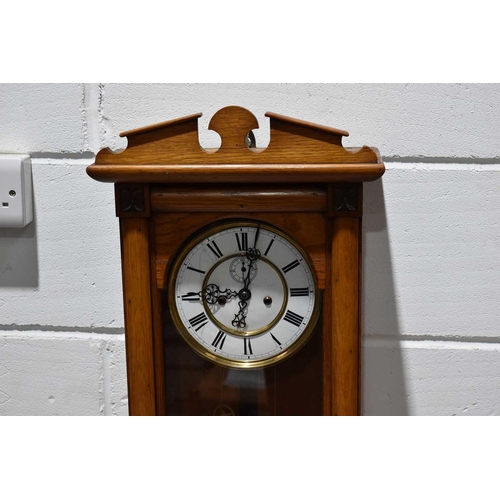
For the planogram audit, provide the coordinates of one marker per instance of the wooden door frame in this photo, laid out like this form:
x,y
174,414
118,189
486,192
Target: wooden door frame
x,y
341,285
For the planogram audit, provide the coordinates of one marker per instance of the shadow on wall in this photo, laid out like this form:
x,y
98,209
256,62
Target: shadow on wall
x,y
19,256
383,383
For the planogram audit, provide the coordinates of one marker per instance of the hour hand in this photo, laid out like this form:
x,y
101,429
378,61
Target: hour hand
x,y
213,294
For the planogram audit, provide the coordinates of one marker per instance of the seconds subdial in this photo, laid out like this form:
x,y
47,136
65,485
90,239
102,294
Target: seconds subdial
x,y
239,268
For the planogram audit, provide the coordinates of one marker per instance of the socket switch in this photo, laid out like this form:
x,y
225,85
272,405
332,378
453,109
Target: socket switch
x,y
16,191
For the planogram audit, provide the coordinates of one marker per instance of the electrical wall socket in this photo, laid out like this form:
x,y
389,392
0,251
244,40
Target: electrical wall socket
x,y
16,191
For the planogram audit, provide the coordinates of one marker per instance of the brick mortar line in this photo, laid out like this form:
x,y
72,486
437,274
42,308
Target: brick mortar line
x,y
89,155
366,338
430,338
442,160
65,329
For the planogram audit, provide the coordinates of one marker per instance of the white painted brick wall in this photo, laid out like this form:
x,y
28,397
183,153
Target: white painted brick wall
x,y
412,120
431,239
63,373
41,118
70,252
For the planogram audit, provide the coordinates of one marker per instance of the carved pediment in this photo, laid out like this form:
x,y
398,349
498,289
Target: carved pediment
x,y
294,145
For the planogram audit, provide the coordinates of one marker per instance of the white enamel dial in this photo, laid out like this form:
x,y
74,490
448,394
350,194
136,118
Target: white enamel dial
x,y
243,294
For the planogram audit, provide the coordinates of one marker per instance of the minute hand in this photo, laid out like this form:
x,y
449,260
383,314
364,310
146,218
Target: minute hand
x,y
252,255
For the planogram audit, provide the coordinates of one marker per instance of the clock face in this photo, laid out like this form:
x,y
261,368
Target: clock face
x,y
243,294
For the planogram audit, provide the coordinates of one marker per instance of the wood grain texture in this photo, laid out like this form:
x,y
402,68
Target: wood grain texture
x,y
157,319
138,316
170,153
345,350
236,173
327,326
158,362
302,123
172,229
253,198
151,128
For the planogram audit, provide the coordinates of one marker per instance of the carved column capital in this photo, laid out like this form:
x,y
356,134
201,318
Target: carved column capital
x,y
132,200
345,199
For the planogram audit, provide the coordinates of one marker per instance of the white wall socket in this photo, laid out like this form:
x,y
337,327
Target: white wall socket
x,y
16,192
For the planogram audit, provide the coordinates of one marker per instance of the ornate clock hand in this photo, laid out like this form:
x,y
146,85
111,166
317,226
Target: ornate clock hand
x,y
229,294
246,280
239,320
252,255
213,293
244,294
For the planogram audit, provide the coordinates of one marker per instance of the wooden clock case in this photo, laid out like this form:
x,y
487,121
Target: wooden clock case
x,y
305,182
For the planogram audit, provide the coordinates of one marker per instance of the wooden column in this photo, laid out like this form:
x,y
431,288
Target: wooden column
x,y
138,315
343,348
345,320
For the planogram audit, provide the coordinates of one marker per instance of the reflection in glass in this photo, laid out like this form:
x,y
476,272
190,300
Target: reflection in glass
x,y
195,386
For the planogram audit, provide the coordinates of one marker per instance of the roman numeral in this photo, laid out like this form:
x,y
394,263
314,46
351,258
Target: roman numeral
x,y
218,342
191,296
269,247
243,243
275,339
200,319
299,292
247,346
215,249
293,318
196,270
290,266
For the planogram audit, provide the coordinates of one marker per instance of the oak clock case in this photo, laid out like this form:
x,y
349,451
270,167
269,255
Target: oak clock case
x,y
263,364
243,294
241,266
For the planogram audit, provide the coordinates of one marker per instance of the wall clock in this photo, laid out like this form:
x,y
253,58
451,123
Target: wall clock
x,y
243,294
241,266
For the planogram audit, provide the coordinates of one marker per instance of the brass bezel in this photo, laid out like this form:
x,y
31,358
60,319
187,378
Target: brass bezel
x,y
199,348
